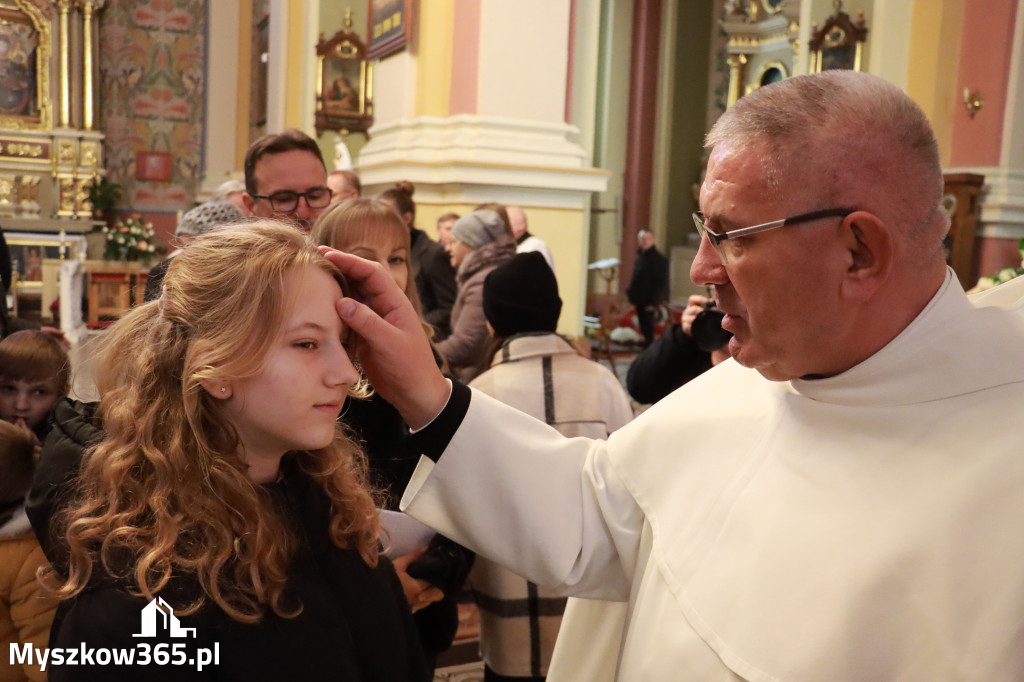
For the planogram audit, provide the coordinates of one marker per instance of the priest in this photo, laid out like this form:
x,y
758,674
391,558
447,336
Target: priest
x,y
843,499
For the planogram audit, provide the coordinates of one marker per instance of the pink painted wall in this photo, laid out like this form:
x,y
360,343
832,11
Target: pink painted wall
x,y
994,253
462,98
985,50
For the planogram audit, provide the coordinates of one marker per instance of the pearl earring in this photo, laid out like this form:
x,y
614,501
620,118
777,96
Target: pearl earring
x,y
223,390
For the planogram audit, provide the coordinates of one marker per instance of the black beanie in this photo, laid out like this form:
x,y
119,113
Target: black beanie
x,y
521,295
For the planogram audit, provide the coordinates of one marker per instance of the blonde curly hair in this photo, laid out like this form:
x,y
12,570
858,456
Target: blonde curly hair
x,y
167,492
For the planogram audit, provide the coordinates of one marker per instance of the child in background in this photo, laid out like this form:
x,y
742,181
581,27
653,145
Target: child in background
x,y
26,607
34,375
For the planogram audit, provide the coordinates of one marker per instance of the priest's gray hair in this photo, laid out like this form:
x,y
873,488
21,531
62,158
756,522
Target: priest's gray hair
x,y
859,140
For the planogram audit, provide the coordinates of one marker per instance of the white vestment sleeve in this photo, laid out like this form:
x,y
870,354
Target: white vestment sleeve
x,y
547,507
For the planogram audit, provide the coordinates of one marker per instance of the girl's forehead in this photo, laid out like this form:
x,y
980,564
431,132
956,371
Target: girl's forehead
x,y
381,240
380,232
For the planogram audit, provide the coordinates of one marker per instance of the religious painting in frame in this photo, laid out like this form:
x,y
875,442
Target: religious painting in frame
x,y
24,60
839,44
390,28
344,97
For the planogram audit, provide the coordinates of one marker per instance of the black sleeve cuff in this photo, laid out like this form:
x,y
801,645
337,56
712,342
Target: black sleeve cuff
x,y
434,438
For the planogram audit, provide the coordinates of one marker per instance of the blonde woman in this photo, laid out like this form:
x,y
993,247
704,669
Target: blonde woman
x,y
223,489
371,229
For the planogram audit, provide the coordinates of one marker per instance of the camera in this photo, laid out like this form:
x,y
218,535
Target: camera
x,y
707,329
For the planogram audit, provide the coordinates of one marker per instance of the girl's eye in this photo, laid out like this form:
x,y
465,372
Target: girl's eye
x,y
396,260
307,345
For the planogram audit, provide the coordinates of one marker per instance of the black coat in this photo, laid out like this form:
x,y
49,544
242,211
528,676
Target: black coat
x,y
8,324
354,624
435,281
446,564
649,283
665,365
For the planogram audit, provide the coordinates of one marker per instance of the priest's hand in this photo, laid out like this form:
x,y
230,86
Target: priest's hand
x,y
392,347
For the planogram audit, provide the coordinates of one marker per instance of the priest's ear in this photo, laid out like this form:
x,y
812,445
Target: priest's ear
x,y
869,244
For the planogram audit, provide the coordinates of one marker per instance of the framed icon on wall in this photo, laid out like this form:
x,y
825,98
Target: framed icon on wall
x,y
25,101
839,43
344,91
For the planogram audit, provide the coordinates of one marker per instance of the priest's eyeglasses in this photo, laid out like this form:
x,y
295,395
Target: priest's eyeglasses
x,y
287,201
720,240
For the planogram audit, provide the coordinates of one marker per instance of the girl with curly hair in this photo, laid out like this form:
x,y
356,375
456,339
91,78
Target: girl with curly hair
x,y
222,490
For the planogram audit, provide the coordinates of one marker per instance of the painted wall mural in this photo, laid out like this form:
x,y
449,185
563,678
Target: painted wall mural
x,y
151,92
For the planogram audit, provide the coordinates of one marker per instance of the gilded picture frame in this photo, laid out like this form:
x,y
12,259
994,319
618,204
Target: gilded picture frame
x,y
25,48
344,87
390,27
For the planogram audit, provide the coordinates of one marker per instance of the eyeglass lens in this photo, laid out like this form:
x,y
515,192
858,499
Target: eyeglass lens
x,y
702,230
286,201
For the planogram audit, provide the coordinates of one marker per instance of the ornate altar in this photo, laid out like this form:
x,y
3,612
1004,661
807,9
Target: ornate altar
x,y
50,150
760,44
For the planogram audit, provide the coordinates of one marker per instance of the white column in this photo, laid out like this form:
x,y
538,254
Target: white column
x,y
889,41
221,94
277,65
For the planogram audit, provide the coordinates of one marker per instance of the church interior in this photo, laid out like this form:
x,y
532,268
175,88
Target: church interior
x,y
590,115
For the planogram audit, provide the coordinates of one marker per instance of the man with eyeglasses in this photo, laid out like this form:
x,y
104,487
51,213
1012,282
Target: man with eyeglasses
x,y
285,178
842,501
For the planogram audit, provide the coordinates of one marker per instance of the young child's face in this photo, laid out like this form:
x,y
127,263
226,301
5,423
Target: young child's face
x,y
27,400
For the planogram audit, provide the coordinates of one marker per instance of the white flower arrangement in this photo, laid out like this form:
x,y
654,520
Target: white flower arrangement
x,y
131,239
1004,275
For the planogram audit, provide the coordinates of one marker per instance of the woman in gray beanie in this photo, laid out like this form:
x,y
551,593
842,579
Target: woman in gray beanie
x,y
195,222
481,241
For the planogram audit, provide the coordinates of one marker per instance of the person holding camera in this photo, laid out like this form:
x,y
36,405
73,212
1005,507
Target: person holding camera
x,y
683,352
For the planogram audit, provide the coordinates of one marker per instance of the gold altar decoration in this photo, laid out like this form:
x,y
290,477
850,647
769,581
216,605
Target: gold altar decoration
x,y
50,150
759,44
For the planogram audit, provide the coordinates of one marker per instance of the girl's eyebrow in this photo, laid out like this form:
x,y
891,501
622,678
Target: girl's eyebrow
x,y
302,326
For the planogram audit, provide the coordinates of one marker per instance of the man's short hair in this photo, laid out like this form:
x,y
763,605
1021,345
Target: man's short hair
x,y
277,143
864,130
351,180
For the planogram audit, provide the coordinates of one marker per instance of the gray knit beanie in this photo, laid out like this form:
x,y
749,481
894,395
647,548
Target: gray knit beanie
x,y
206,217
479,228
